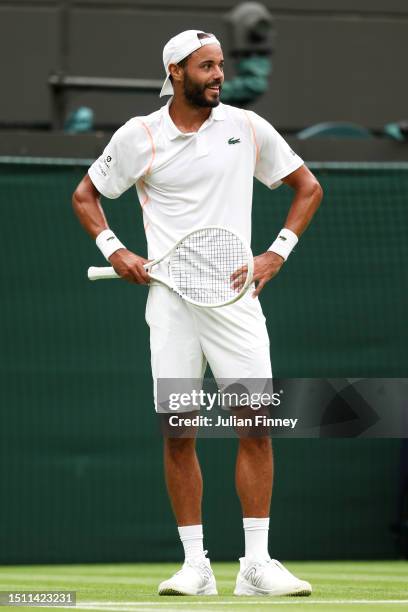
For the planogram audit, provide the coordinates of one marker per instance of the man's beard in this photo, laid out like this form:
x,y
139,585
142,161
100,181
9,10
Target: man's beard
x,y
194,93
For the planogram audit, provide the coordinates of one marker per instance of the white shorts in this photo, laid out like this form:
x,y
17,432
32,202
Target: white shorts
x,y
183,338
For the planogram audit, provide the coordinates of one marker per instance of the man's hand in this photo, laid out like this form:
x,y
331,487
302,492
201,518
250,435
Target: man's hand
x,y
266,266
130,266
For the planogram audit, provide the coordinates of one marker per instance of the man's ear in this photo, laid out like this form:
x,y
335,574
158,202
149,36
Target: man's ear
x,y
176,72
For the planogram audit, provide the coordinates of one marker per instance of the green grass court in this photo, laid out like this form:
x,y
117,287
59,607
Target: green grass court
x,y
359,585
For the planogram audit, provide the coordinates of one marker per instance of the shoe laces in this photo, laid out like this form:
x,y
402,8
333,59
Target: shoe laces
x,y
270,562
260,562
201,562
254,570
197,562
280,566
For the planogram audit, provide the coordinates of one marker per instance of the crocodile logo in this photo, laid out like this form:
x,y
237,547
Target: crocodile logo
x,y
234,140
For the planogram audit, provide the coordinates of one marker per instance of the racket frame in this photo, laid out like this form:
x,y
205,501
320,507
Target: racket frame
x,y
96,273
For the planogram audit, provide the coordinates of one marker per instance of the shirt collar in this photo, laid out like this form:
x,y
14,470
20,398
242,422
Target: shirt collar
x,y
172,131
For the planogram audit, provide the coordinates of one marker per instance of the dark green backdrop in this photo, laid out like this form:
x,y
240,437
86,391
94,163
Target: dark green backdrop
x,y
81,474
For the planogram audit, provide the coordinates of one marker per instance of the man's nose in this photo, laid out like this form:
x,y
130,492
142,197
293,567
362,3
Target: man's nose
x,y
218,73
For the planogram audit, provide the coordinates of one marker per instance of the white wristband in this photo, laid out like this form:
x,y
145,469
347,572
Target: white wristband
x,y
284,243
108,244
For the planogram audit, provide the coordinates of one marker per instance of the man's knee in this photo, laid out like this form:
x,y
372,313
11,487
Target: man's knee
x,y
177,447
261,444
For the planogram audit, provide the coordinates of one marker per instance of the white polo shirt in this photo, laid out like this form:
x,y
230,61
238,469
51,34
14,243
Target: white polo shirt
x,y
188,180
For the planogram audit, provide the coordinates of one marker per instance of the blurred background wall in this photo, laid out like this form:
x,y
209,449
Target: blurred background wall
x,y
81,475
339,60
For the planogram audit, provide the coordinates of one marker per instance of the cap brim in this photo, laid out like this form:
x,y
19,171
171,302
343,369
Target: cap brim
x,y
167,89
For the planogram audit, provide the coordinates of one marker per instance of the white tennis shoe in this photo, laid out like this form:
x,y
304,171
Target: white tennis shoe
x,y
195,578
268,577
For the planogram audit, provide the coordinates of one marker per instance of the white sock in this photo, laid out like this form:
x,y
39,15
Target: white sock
x,y
192,540
256,538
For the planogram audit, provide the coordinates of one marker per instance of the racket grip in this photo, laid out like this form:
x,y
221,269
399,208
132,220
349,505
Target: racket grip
x,y
95,273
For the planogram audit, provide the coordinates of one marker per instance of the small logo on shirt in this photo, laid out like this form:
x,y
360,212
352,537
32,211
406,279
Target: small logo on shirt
x,y
102,170
234,140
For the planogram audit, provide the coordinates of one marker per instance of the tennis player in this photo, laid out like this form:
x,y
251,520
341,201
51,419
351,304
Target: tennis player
x,y
193,162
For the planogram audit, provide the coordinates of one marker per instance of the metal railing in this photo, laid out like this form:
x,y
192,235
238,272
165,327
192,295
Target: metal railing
x,y
60,84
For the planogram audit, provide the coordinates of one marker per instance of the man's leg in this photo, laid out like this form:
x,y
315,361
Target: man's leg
x,y
235,342
259,574
183,479
254,477
176,354
185,488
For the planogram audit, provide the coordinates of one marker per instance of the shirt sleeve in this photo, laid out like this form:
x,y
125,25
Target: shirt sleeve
x,y
275,158
125,159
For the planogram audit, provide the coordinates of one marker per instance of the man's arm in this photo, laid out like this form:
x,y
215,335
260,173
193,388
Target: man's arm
x,y
88,209
307,198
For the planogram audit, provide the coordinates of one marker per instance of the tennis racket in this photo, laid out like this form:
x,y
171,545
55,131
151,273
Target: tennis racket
x,y
200,266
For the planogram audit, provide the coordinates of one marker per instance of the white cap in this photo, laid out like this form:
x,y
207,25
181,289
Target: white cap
x,y
178,48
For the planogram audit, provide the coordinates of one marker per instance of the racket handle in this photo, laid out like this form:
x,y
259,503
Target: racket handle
x,y
95,273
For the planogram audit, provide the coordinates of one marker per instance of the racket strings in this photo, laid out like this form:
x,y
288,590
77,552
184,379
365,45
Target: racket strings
x,y
202,265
